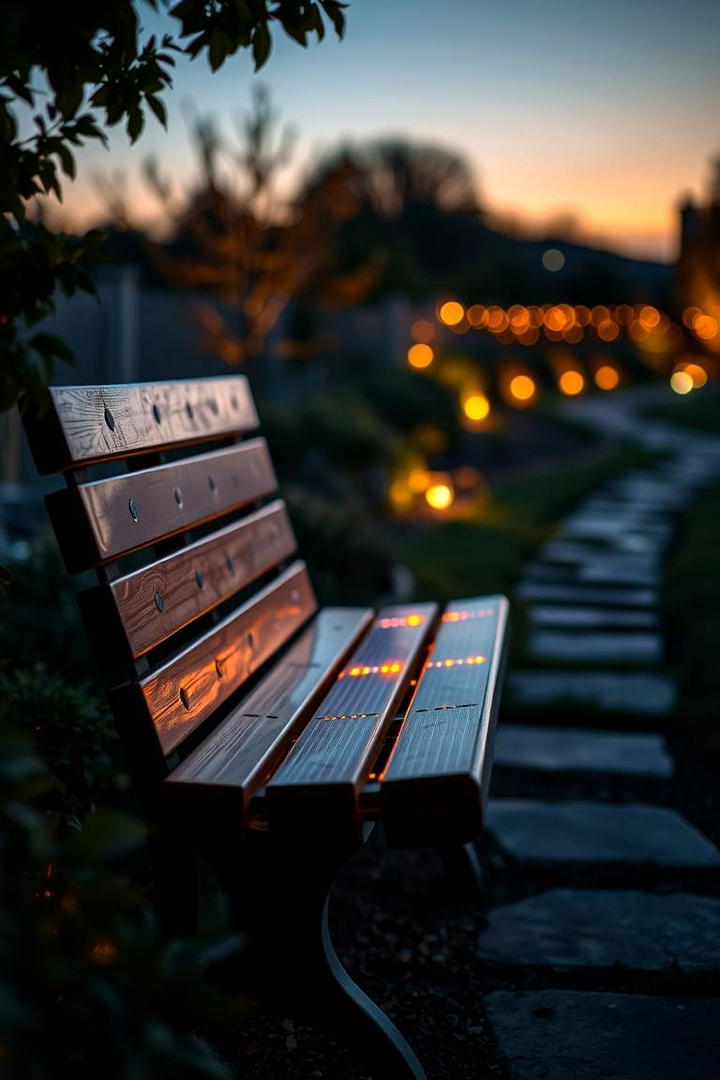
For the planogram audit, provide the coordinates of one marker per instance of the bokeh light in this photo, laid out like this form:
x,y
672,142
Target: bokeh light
x,y
420,355
571,383
697,373
476,407
451,313
439,496
607,330
705,327
681,382
418,480
606,377
522,388
423,330
553,259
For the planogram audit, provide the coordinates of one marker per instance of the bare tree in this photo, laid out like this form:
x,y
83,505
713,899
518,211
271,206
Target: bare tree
x,y
235,237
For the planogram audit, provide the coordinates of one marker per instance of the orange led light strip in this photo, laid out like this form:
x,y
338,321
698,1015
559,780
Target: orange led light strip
x,y
461,616
376,669
454,663
406,620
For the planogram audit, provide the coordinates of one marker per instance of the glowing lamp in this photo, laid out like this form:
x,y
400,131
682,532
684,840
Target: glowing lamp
x,y
606,377
705,327
439,496
451,313
420,355
571,383
522,387
476,407
681,382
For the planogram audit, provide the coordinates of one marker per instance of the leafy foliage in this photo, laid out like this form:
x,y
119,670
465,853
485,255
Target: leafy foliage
x,y
74,736
78,72
40,624
84,986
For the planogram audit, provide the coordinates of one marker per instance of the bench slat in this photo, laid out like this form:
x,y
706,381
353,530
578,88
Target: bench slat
x,y
315,790
434,787
216,781
155,602
85,424
106,519
186,690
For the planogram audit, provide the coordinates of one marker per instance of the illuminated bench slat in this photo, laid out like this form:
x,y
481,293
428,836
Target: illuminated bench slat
x,y
215,783
434,787
315,792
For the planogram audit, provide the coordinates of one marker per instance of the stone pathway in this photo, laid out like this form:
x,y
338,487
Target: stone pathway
x,y
620,982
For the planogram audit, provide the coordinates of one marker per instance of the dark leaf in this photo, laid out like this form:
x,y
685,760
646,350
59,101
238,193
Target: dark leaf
x,y
261,45
158,108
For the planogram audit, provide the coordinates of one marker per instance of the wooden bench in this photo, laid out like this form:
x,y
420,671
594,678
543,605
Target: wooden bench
x,y
265,736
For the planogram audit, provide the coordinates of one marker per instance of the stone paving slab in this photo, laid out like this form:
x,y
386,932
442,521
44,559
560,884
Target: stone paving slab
x,y
571,1035
634,692
561,593
590,618
571,750
533,830
599,569
604,928
613,507
594,525
567,552
619,570
606,647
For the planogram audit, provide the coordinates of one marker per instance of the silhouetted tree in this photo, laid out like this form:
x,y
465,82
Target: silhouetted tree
x,y
419,210
236,239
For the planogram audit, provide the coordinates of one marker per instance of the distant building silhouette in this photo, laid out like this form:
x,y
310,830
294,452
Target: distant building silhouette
x,y
698,271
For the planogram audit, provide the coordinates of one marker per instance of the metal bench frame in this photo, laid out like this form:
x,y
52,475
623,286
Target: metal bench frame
x,y
385,717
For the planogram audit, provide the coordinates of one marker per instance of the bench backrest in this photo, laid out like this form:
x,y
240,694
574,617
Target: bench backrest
x,y
221,681
184,611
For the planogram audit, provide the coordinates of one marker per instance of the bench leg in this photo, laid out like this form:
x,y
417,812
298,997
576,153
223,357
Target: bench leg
x,y
175,884
281,901
462,868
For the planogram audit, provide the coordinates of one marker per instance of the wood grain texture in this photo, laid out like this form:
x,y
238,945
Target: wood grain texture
x,y
315,790
215,783
85,424
103,520
186,690
434,786
155,602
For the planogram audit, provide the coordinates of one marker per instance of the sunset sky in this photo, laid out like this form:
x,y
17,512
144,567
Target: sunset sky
x,y
609,110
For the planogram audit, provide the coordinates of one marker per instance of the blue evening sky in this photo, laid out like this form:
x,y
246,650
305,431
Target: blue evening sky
x,y
608,110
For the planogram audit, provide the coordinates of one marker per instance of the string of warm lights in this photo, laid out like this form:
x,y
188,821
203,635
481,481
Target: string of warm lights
x,y
652,332
643,324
